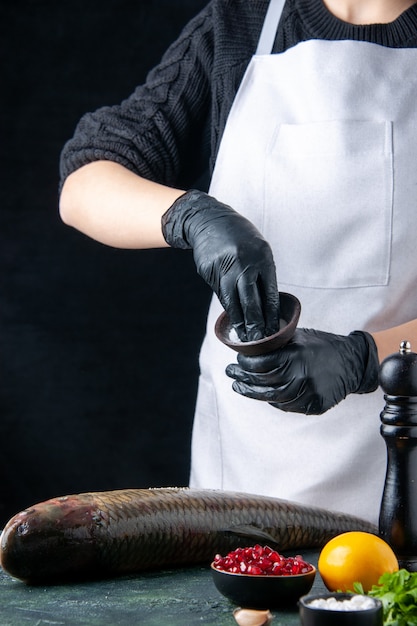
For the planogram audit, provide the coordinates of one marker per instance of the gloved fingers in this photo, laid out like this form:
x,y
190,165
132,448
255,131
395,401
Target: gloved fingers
x,y
270,378
260,305
268,288
242,301
251,303
304,403
289,394
277,359
256,392
289,398
300,405
229,299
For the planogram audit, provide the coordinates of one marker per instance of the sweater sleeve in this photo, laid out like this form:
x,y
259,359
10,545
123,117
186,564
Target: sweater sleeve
x,y
159,130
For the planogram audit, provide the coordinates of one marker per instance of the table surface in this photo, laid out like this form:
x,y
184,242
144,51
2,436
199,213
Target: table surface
x,y
183,597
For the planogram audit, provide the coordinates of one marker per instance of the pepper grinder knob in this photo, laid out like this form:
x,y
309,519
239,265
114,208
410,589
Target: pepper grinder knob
x,y
398,513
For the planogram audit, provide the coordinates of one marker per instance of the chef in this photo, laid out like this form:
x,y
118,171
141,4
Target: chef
x,y
311,106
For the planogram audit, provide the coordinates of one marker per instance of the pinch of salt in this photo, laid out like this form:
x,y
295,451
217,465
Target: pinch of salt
x,y
233,336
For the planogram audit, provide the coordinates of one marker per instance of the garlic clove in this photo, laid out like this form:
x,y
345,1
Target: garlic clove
x,y
252,617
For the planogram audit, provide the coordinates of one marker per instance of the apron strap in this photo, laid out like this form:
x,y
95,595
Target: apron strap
x,y
270,27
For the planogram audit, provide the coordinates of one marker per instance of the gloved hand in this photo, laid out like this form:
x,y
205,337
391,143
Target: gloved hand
x,y
312,373
231,256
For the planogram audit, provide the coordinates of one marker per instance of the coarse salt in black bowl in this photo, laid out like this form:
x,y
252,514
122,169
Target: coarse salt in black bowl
x,y
340,609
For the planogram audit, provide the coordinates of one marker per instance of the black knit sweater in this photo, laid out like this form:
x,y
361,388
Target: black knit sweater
x,y
175,121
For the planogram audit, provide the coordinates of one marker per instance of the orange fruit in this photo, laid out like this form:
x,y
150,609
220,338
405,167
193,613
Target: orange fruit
x,y
355,557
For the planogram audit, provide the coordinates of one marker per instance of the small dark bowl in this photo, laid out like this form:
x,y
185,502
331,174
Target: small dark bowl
x,y
263,592
290,309
314,616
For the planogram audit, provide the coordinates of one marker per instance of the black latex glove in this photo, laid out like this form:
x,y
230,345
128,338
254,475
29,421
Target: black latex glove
x,y
312,373
231,256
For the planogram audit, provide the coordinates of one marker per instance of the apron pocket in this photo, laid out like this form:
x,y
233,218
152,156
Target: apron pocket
x,y
328,203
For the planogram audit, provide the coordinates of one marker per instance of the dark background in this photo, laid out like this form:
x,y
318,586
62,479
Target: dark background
x,y
98,347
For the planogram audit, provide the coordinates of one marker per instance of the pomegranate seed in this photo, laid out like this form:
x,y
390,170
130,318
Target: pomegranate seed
x,y
261,560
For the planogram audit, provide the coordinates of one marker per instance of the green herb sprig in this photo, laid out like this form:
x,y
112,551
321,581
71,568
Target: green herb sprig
x,y
398,594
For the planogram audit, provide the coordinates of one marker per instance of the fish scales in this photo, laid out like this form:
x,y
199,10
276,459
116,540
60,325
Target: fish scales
x,y
111,533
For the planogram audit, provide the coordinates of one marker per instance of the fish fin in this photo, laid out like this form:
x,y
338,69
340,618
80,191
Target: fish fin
x,y
251,532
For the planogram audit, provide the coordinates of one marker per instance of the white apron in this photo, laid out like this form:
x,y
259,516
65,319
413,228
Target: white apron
x,y
320,152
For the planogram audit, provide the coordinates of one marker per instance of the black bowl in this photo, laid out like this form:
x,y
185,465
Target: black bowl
x,y
290,309
314,616
263,592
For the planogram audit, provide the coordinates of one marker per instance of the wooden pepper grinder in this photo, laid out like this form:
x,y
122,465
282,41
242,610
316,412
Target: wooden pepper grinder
x,y
398,514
